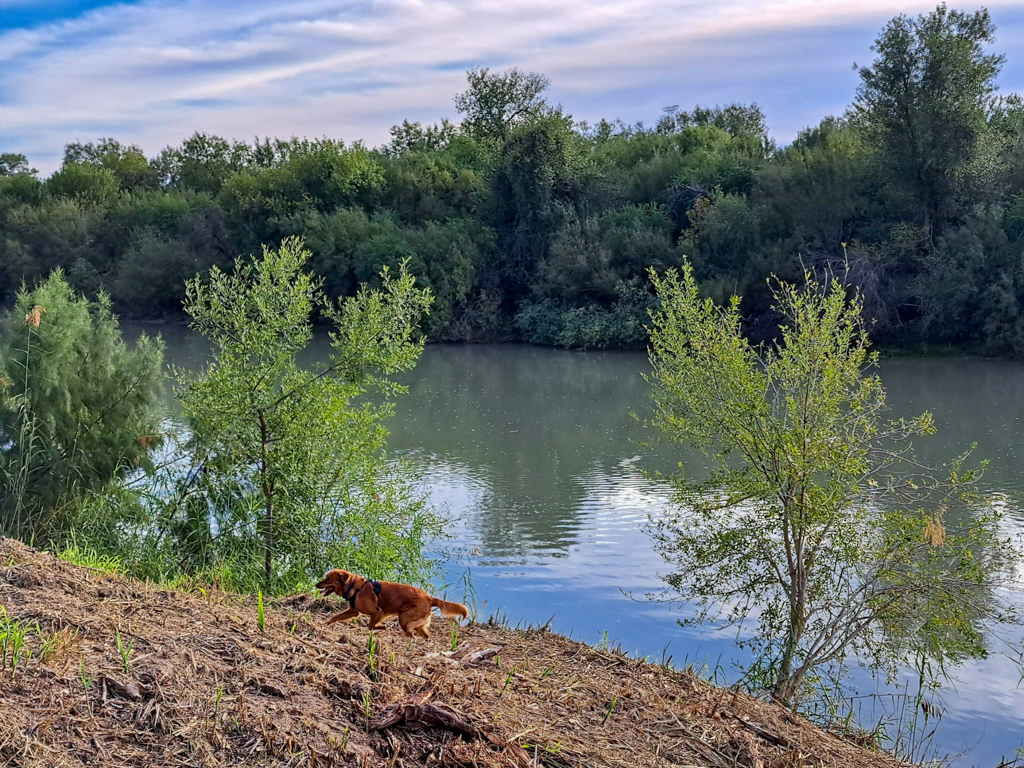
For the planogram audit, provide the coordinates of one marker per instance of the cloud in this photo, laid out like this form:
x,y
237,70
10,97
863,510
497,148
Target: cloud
x,y
159,70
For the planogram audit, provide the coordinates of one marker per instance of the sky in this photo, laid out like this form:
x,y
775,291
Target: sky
x,y
153,72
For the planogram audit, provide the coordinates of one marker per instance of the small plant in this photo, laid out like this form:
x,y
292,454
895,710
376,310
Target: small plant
x,y
611,708
547,671
508,680
53,644
124,650
371,654
469,596
367,705
344,740
84,676
261,617
604,641
86,680
48,646
455,636
12,642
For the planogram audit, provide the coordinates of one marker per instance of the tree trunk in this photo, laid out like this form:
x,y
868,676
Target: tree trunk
x,y
783,691
786,683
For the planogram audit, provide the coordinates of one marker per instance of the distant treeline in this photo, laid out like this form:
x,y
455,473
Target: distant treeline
x,y
529,225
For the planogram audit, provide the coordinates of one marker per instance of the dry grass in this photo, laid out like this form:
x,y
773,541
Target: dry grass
x,y
207,688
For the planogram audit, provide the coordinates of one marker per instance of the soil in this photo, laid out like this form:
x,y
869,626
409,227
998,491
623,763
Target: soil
x,y
197,682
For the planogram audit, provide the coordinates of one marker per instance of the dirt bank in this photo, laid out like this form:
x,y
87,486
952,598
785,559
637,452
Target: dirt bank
x,y
197,683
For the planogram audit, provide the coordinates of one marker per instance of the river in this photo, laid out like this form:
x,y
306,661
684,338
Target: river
x,y
540,464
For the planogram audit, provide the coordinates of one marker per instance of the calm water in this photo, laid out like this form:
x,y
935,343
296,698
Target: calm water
x,y
539,462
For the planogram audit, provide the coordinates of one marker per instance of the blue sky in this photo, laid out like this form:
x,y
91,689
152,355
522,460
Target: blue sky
x,y
154,71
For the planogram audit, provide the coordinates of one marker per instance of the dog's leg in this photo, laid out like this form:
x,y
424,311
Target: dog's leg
x,y
414,620
351,613
375,621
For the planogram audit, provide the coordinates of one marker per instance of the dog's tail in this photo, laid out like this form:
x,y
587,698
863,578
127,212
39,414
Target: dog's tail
x,y
451,610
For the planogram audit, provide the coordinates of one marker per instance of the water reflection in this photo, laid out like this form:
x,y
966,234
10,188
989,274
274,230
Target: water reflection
x,y
535,436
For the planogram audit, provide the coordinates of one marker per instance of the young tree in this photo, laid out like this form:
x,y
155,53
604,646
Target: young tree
x,y
797,528
302,449
926,99
494,103
78,407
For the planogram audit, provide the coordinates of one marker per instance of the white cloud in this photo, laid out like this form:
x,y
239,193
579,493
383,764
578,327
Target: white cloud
x,y
154,72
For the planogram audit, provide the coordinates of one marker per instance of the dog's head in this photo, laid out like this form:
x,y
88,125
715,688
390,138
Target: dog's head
x,y
337,582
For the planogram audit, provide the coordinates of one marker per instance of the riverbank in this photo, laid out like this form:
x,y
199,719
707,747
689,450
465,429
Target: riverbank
x,y
179,325
123,673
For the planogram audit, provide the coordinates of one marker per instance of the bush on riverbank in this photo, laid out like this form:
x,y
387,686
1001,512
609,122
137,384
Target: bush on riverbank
x,y
818,530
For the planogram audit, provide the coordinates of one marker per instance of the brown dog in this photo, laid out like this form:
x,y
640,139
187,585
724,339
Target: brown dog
x,y
380,599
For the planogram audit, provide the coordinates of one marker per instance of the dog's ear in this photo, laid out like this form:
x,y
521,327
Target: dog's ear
x,y
343,579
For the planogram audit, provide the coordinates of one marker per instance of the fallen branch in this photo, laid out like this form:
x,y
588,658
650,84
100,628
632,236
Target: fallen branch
x,y
131,690
418,710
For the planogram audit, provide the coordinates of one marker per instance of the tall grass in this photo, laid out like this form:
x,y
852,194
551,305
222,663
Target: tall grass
x,y
81,554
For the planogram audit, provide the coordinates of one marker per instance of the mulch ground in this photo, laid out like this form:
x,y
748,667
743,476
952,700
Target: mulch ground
x,y
204,686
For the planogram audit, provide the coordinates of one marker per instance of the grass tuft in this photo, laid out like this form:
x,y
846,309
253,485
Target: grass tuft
x,y
124,650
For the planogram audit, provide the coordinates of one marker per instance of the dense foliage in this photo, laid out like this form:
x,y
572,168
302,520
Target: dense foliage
x,y
818,535
527,225
79,409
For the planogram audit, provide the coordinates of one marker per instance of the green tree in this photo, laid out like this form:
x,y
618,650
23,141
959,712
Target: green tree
x,y
302,448
203,163
13,164
925,99
796,531
84,183
819,186
42,238
495,103
297,178
540,181
78,407
741,121
128,164
725,242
